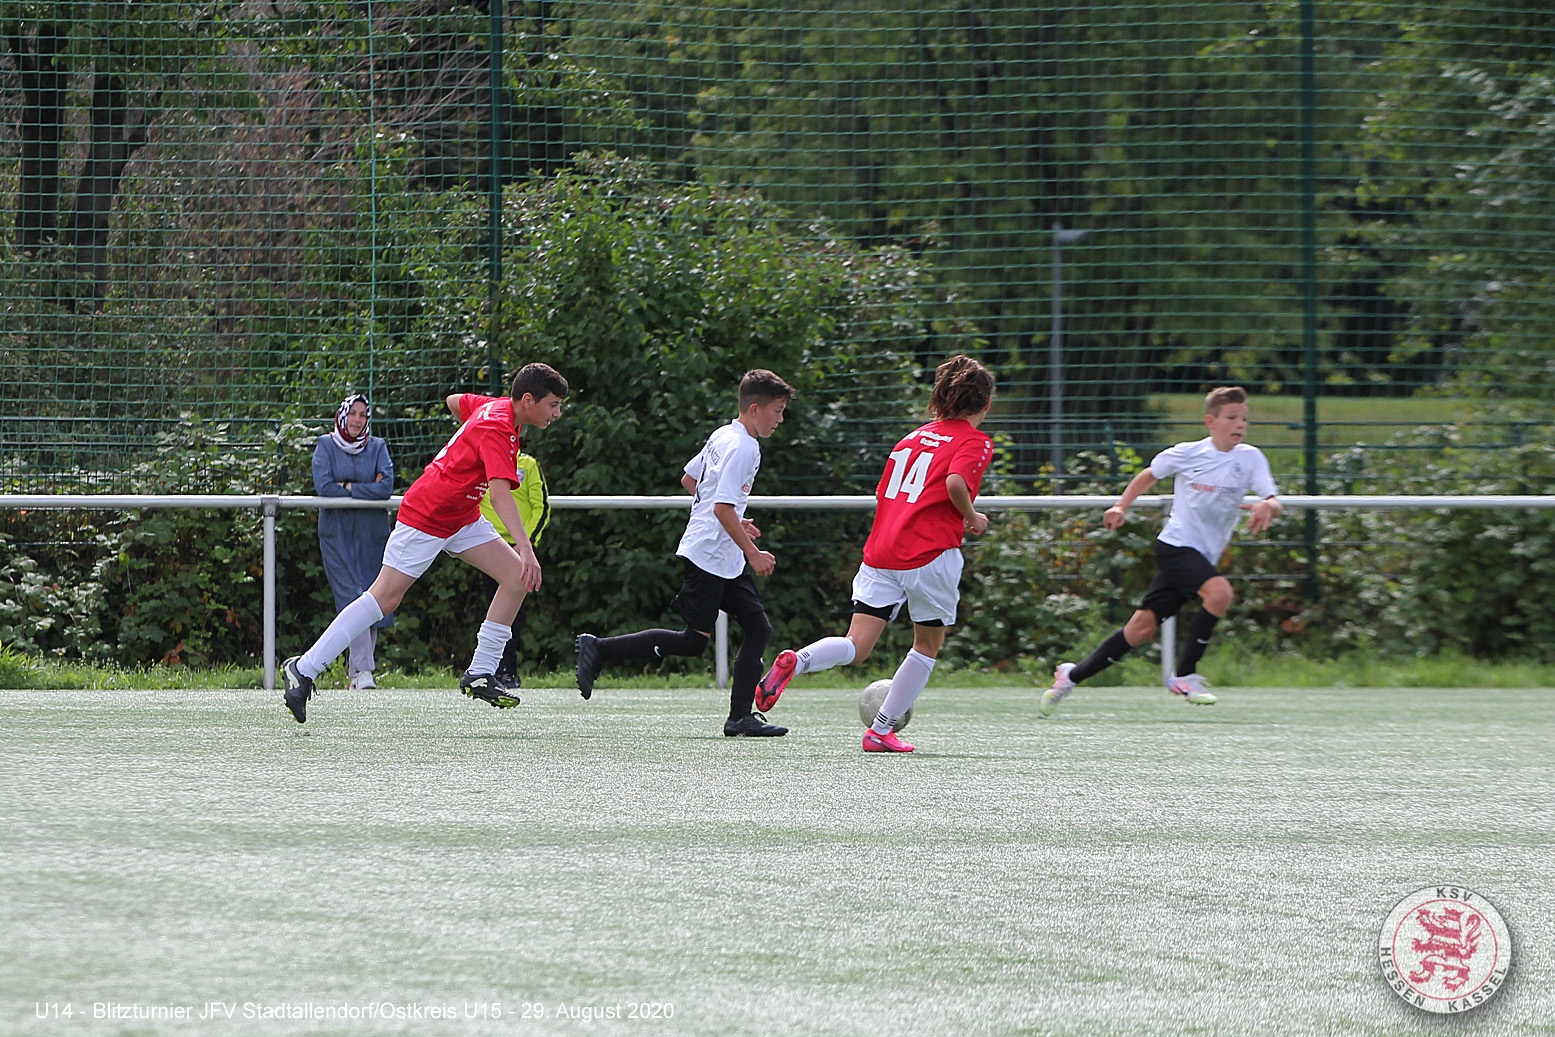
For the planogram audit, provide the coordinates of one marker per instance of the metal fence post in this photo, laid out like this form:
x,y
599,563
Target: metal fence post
x,y
721,649
1309,276
495,46
269,507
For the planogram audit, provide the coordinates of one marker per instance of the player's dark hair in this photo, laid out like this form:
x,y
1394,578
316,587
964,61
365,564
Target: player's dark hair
x,y
762,387
1222,396
539,381
962,386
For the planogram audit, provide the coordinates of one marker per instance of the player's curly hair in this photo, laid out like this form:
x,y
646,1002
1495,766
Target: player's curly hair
x,y
962,386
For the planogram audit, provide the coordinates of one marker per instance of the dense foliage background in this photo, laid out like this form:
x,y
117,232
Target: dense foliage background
x,y
182,587
223,219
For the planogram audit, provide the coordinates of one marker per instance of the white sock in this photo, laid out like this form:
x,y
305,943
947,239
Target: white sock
x,y
352,621
489,642
824,654
910,680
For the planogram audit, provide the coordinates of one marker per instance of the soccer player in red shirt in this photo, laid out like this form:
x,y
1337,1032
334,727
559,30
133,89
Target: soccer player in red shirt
x,y
441,512
923,509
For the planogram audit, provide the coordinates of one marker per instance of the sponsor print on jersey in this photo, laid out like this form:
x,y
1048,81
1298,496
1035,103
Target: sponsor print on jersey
x,y
915,520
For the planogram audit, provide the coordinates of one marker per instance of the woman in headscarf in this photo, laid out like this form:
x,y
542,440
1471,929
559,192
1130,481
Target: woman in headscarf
x,y
350,463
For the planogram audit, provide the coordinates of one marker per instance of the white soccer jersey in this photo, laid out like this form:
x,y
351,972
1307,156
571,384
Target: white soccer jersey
x,y
724,471
1207,496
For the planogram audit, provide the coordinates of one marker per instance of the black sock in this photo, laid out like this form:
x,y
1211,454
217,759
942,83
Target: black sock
x,y
748,665
1199,631
1111,650
509,662
652,644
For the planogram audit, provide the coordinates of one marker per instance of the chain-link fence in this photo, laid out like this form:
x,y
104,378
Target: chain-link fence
x,y
241,212
222,219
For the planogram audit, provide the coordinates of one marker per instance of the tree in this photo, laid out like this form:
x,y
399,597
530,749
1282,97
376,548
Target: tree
x,y
1169,133
137,58
653,299
1459,191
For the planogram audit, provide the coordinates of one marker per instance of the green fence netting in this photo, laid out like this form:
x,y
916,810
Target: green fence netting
x,y
240,212
221,218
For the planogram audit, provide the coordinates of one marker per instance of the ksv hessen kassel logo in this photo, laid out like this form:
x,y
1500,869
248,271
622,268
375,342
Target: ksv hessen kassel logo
x,y
1445,949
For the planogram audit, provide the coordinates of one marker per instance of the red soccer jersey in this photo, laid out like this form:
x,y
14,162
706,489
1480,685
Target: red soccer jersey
x,y
448,495
914,519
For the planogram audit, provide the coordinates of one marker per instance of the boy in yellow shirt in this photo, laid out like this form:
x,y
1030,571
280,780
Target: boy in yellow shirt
x,y
533,498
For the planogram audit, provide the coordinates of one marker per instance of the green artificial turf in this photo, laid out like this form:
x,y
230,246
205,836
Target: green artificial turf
x,y
1133,865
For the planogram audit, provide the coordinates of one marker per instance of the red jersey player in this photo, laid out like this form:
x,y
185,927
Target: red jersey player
x,y
441,512
923,509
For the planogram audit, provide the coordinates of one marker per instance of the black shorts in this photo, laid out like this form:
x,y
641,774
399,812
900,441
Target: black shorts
x,y
889,613
702,596
1180,572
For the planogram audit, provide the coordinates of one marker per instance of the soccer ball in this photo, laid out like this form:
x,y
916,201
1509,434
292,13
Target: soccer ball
x,y
869,704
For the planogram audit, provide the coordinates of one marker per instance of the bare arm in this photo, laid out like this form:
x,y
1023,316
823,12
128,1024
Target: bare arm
x,y
1262,513
961,496
1113,517
690,485
453,405
761,561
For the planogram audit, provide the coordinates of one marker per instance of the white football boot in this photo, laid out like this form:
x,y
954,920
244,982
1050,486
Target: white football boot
x,y
1191,687
1062,686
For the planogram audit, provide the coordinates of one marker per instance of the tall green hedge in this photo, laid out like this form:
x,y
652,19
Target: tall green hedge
x,y
183,587
653,300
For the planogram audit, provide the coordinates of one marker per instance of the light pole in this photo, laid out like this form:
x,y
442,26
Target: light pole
x,y
1061,237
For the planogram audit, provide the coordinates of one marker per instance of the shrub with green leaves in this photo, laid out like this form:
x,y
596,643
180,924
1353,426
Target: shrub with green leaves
x,y
653,299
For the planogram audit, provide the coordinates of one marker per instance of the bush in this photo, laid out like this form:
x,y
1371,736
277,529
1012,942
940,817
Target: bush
x,y
1418,583
183,587
16,669
173,586
1041,587
653,300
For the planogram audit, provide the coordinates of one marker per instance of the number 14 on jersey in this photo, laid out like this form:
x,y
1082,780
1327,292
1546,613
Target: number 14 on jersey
x,y
908,474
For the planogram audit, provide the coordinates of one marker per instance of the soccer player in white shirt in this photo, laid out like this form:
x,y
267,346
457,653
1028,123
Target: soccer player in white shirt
x,y
1213,475
718,541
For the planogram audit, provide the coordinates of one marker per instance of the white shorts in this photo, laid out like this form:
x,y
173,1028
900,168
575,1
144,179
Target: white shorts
x,y
412,552
931,591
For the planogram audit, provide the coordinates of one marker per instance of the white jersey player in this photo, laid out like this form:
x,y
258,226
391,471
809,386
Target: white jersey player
x,y
718,542
1213,475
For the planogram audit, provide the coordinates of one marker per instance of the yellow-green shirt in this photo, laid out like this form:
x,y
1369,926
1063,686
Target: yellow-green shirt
x,y
531,496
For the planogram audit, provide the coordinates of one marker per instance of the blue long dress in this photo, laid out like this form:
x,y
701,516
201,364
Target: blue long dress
x,y
352,539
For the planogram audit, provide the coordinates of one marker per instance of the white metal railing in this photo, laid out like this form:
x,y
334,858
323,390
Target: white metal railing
x,y
269,506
